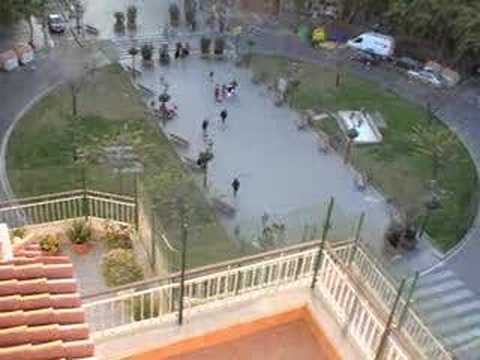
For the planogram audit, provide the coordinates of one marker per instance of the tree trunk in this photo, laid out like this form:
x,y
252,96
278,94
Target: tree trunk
x,y
348,151
133,66
74,101
205,177
30,27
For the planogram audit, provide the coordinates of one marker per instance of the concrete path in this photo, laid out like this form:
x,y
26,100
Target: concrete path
x,y
280,169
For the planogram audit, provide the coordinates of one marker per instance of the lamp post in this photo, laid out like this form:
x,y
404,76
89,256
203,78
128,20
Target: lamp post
x,y
432,204
352,134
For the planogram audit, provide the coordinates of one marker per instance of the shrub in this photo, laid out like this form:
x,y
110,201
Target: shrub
x,y
80,232
205,44
219,46
132,17
120,267
19,232
118,237
174,12
147,52
50,244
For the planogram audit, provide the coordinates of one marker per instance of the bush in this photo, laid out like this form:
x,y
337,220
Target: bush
x,y
118,237
50,244
147,52
219,46
80,232
174,14
132,17
19,232
120,267
205,44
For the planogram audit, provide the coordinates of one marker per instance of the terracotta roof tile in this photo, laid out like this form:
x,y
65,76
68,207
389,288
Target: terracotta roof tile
x,y
40,311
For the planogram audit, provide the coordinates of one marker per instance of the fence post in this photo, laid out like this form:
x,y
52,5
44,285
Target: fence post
x,y
356,239
326,227
86,209
403,315
182,273
388,325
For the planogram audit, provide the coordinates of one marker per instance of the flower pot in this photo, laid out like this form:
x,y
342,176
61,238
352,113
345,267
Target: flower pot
x,y
82,249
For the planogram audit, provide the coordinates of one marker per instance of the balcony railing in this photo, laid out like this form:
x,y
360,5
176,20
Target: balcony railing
x,y
155,301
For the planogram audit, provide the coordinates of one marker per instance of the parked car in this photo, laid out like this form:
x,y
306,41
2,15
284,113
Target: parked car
x,y
407,63
56,23
379,44
427,77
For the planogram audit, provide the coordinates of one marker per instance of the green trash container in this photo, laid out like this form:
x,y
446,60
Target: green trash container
x,y
305,33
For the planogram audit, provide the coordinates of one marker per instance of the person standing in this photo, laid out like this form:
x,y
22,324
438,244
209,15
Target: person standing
x,y
205,126
211,74
235,186
223,116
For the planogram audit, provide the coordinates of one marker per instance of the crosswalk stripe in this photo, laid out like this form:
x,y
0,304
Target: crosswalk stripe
x,y
444,301
456,311
435,290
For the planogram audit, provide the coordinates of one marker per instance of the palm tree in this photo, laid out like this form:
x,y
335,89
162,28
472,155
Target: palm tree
x,y
133,52
435,143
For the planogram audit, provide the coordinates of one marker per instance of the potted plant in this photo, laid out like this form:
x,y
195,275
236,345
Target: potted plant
x,y
118,236
205,44
119,21
50,244
80,234
164,55
174,12
147,52
219,46
132,17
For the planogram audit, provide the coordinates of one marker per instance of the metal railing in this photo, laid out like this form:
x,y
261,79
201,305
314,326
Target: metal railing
x,y
156,301
369,273
68,205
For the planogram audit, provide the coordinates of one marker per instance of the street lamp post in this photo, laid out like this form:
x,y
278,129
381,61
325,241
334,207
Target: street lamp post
x,y
432,204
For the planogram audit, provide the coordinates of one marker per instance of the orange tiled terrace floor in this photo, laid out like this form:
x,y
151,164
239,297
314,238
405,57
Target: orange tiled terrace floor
x,y
291,335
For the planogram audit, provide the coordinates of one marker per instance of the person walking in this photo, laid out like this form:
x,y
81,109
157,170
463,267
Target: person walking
x,y
223,116
217,93
211,75
205,126
235,186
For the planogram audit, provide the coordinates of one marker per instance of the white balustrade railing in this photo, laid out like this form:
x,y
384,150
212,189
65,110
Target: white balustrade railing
x,y
370,274
156,301
68,205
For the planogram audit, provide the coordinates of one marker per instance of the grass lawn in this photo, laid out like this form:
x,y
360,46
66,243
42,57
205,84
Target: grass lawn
x,y
397,170
40,159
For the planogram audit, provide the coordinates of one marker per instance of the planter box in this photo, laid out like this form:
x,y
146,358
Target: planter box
x,y
8,60
24,53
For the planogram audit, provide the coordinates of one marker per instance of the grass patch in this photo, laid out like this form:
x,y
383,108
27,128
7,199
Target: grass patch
x,y
398,171
40,159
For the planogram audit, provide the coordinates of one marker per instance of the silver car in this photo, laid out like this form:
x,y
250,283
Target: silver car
x,y
56,23
428,77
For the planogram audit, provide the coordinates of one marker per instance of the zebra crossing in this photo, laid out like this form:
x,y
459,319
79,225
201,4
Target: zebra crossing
x,y
452,311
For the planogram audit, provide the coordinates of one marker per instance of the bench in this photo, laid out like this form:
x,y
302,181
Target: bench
x,y
178,140
224,207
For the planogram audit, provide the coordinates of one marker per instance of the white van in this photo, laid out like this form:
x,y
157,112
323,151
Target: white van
x,y
378,44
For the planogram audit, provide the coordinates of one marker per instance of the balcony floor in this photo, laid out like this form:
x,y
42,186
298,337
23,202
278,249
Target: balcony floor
x,y
285,324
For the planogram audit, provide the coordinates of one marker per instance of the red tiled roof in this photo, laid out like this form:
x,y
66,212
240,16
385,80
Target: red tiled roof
x,y
41,317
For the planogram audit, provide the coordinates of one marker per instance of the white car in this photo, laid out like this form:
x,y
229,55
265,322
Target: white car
x,y
426,76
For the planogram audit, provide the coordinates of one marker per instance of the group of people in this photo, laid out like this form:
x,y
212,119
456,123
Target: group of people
x,y
225,91
182,51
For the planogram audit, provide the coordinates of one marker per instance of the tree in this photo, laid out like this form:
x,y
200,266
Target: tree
x,y
435,143
352,134
190,10
203,159
133,52
14,10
